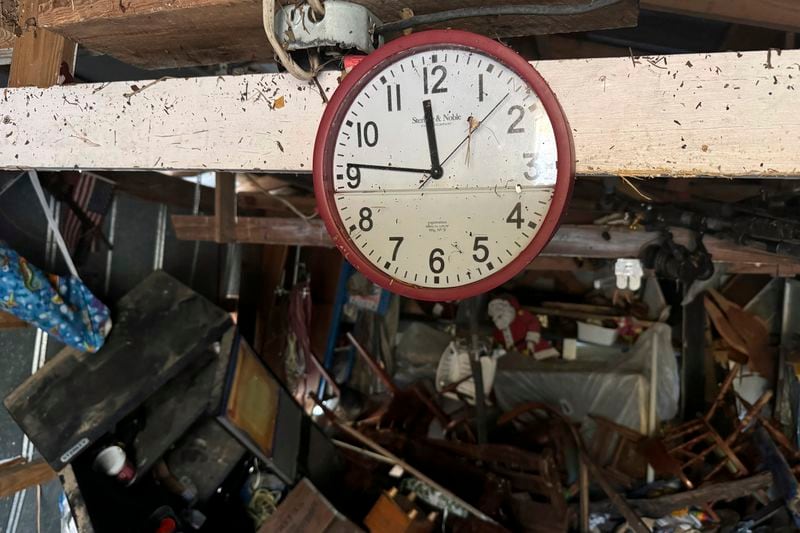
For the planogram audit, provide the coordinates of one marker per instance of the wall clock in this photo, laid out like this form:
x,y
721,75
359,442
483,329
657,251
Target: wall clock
x,y
442,165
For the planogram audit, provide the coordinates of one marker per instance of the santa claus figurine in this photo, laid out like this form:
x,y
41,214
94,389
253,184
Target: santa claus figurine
x,y
516,328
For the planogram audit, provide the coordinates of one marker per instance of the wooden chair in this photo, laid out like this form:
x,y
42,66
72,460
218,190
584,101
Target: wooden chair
x,y
614,447
698,446
411,409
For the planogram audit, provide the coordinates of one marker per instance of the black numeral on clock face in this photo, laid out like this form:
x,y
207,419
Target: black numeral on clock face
x,y
515,216
393,102
481,250
353,177
530,164
368,134
520,112
365,219
437,88
436,261
397,242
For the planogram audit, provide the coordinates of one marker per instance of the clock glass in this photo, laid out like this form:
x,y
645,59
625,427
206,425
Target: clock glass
x,y
442,165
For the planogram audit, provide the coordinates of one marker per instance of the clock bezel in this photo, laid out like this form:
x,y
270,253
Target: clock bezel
x,y
338,106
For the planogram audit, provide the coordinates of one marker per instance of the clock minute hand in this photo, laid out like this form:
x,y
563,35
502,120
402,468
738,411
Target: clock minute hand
x,y
388,167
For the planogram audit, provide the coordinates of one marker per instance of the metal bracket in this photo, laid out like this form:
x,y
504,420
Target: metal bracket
x,y
345,26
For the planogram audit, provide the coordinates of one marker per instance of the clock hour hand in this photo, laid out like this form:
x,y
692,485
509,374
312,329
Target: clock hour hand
x,y
430,128
389,167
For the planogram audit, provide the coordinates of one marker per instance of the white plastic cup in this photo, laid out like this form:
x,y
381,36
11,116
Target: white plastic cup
x,y
112,461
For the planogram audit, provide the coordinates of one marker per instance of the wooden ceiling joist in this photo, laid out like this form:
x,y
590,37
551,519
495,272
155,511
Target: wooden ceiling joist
x,y
778,14
158,34
587,242
716,115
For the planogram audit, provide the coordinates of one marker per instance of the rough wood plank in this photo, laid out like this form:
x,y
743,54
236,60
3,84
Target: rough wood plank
x,y
153,33
663,505
225,207
160,188
269,316
173,409
566,47
16,477
587,242
609,242
275,193
174,191
306,509
159,328
778,14
724,114
206,454
39,54
276,205
287,231
75,499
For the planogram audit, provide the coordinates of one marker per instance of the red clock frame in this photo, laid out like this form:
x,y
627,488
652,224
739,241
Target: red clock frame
x,y
340,102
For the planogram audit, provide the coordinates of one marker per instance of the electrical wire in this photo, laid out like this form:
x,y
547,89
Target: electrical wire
x,y
268,18
272,194
549,10
317,6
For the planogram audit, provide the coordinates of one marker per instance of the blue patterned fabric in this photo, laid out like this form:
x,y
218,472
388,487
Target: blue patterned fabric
x,y
61,306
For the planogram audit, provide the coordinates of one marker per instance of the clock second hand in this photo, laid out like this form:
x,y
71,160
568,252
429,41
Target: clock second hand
x,y
469,135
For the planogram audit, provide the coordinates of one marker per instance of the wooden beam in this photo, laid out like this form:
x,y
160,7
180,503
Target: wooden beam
x,y
39,55
174,191
586,242
278,204
225,207
160,188
722,115
154,33
778,14
287,231
18,476
275,194
566,47
710,493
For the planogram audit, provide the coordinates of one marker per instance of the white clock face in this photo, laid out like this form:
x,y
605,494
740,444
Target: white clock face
x,y
444,167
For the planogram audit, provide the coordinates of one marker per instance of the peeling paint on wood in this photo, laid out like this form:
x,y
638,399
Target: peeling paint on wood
x,y
636,116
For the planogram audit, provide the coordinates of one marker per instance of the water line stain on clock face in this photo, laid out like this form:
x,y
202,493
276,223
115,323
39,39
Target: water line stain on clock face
x,y
415,142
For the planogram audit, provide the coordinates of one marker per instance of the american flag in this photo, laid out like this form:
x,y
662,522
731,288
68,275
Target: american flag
x,y
88,203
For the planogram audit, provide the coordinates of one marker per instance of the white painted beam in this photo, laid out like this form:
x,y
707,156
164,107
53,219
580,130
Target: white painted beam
x,y
723,115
